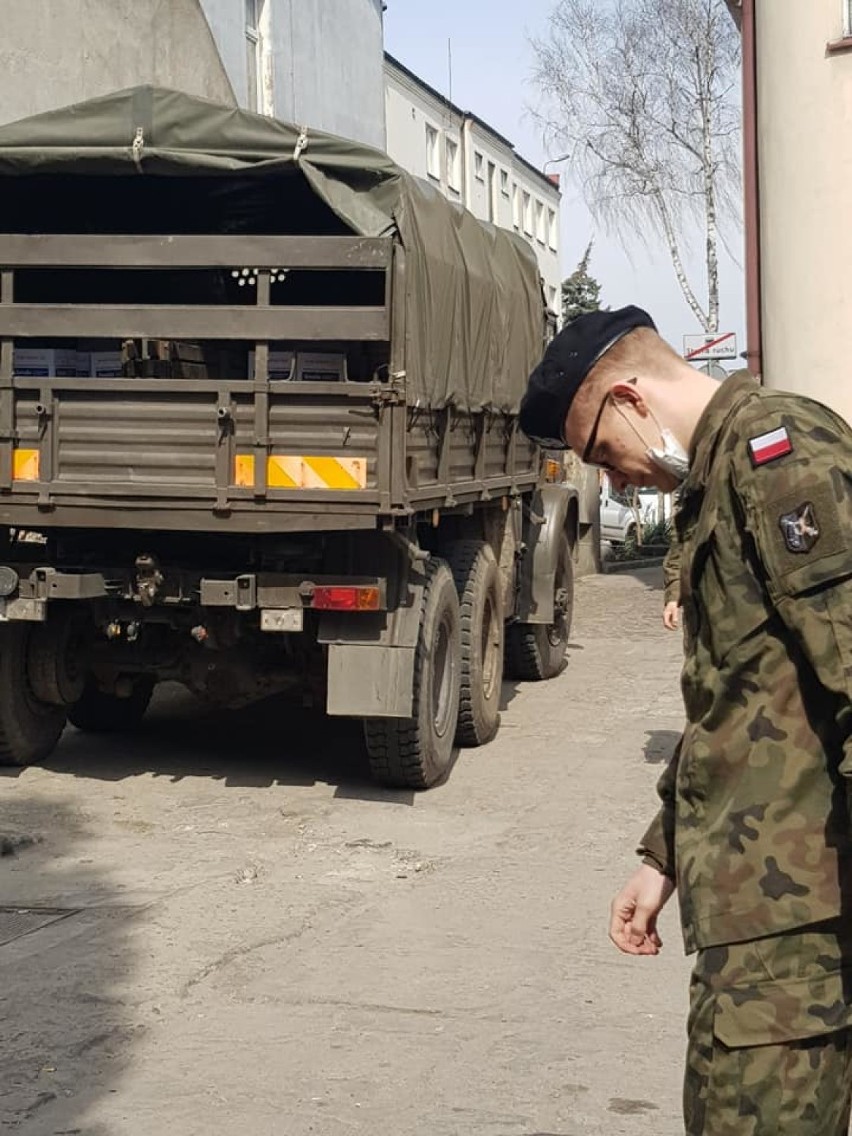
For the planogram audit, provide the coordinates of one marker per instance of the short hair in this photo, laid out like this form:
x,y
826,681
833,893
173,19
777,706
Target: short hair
x,y
642,350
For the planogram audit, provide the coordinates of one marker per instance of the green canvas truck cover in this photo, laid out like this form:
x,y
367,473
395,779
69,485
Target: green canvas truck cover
x,y
474,304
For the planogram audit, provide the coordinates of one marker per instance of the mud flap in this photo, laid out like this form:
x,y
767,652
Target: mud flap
x,y
371,657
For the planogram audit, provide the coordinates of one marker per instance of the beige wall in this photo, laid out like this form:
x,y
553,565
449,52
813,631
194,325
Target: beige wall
x,y
805,156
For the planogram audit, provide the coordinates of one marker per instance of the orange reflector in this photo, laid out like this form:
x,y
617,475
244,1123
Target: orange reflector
x,y
244,471
346,598
25,465
552,470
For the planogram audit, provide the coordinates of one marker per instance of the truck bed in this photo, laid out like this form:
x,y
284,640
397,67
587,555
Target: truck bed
x,y
228,452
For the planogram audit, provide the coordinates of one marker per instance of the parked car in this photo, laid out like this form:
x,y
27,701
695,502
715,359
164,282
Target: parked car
x,y
619,516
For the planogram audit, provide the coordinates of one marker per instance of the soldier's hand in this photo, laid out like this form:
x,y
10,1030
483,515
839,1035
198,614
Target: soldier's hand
x,y
633,916
671,616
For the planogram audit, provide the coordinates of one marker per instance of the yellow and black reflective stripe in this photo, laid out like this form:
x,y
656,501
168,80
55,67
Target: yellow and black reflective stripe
x,y
300,471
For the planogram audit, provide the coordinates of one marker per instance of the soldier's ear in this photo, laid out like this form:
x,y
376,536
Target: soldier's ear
x,y
627,394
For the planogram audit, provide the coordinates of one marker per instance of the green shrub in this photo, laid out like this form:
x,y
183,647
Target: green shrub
x,y
658,533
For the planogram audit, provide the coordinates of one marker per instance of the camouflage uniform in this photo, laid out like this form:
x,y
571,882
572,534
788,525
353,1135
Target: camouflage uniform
x,y
755,823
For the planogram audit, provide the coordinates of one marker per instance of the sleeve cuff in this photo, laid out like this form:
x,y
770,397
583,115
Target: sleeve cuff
x,y
654,861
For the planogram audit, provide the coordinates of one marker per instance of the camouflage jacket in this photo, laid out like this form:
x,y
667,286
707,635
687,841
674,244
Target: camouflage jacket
x,y
755,823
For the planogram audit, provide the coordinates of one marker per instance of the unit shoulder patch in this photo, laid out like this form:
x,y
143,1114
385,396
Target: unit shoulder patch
x,y
800,528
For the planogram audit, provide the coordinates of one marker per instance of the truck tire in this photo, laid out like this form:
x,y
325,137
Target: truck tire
x,y
536,651
100,713
414,753
29,729
477,576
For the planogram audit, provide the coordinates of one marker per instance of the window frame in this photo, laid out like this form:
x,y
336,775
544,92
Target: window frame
x,y
847,18
433,152
540,226
552,229
452,152
479,165
260,71
254,63
516,207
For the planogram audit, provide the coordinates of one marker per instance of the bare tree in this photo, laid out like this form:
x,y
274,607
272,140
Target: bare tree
x,y
644,93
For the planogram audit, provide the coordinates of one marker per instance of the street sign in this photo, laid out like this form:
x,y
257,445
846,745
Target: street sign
x,y
714,371
714,345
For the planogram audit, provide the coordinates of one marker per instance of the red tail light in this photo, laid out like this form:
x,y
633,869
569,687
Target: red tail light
x,y
346,598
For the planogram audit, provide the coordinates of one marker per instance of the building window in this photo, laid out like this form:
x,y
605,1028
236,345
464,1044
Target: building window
x,y
528,222
453,165
551,298
433,154
504,182
492,192
259,86
479,165
253,61
552,230
847,17
516,207
540,233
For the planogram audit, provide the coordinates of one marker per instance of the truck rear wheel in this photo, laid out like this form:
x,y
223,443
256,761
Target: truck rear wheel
x,y
98,712
477,578
414,753
536,651
29,728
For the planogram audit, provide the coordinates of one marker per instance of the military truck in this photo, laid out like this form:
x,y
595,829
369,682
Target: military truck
x,y
258,435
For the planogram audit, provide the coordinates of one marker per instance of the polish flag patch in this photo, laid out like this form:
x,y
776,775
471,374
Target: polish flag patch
x,y
767,447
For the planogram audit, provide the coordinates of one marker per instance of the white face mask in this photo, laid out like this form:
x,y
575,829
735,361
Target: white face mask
x,y
671,457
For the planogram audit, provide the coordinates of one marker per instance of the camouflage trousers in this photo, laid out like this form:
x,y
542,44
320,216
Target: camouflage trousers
x,y
770,1036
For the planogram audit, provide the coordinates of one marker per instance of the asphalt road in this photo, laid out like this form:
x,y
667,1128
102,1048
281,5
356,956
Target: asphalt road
x,y
236,934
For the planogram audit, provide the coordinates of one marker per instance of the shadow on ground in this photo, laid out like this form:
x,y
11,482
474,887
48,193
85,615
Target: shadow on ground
x,y
265,744
652,577
660,745
66,956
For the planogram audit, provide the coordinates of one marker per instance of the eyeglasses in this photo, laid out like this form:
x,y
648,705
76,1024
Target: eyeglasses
x,y
593,437
561,444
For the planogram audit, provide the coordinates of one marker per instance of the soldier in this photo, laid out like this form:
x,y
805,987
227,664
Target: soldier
x,y
754,829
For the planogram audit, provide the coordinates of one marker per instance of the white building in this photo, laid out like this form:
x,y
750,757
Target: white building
x,y
471,163
316,63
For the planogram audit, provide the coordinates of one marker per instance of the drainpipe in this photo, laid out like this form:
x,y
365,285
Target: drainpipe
x,y
751,186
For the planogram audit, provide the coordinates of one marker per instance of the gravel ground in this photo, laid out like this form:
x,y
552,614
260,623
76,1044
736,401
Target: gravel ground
x,y
236,934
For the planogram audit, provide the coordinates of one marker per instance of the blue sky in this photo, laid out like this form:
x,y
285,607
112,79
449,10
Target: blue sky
x,y
492,62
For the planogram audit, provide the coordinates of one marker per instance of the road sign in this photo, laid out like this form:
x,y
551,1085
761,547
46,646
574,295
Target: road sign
x,y
714,371
714,345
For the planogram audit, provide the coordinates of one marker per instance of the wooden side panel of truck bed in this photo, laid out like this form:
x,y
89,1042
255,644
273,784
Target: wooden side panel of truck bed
x,y
239,453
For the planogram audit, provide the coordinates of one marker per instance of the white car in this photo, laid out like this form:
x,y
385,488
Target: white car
x,y
619,516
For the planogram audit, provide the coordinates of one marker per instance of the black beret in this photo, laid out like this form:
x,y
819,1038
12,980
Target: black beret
x,y
569,357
